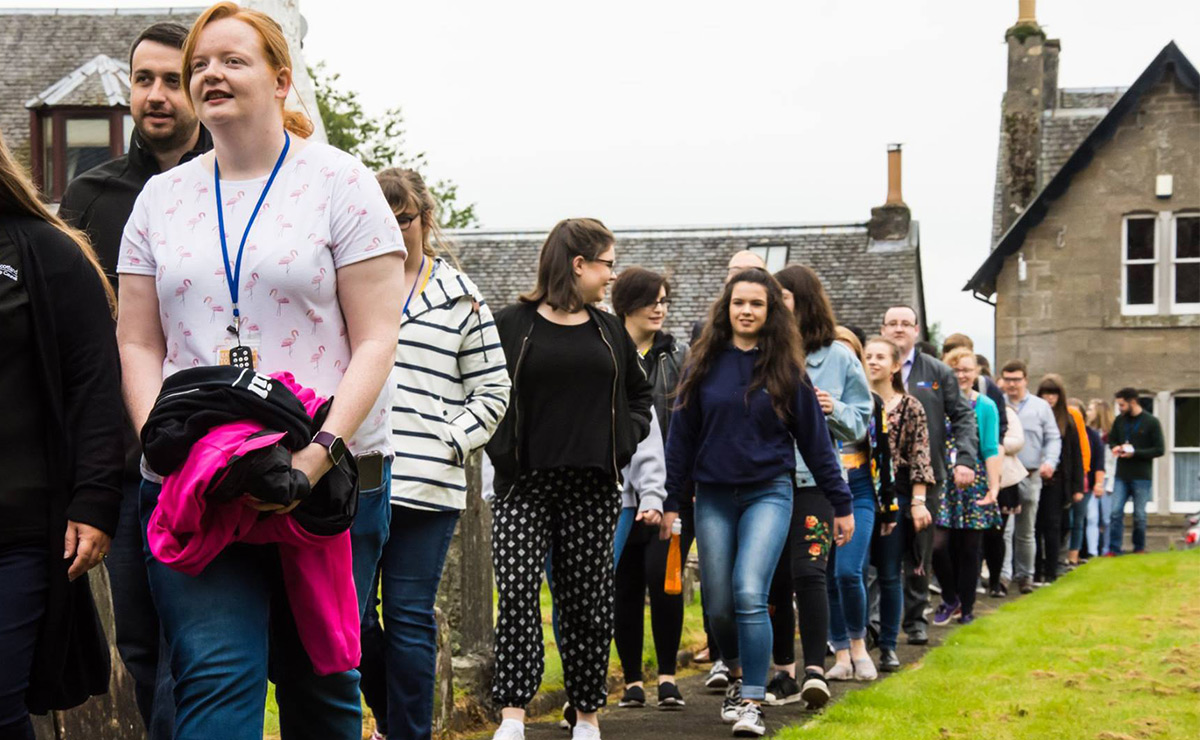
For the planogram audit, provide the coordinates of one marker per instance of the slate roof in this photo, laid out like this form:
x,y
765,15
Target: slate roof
x,y
863,277
102,81
1171,58
39,47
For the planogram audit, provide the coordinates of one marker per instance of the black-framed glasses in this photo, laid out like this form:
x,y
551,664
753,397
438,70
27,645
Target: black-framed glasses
x,y
611,263
663,302
405,220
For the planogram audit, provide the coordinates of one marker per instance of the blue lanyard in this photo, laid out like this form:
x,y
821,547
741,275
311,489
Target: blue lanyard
x,y
233,277
413,289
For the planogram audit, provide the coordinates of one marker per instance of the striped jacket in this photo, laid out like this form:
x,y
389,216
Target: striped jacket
x,y
450,390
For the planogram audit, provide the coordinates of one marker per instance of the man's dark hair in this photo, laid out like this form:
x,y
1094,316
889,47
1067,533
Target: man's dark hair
x,y
1015,366
166,33
1128,394
916,315
985,367
637,287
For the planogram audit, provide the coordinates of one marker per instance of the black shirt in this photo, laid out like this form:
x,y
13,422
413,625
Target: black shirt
x,y
25,482
566,397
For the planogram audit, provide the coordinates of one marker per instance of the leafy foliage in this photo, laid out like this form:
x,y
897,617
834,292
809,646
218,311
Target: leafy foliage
x,y
379,142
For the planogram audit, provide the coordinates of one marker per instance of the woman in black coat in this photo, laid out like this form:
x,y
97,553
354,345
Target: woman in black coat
x,y
60,453
1057,493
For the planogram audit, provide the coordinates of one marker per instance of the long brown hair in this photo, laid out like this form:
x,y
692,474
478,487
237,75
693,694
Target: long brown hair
x,y
18,197
405,188
780,363
814,310
1054,384
570,238
275,49
898,376
1102,419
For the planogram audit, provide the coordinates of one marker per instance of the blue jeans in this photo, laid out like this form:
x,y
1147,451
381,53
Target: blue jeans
x,y
620,537
139,636
1124,490
740,533
1079,521
847,587
23,573
225,625
410,570
1098,515
889,555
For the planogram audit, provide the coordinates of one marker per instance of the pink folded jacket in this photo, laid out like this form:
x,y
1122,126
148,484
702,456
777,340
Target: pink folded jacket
x,y
187,531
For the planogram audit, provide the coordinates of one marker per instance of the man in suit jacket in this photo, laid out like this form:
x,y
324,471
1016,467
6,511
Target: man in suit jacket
x,y
934,385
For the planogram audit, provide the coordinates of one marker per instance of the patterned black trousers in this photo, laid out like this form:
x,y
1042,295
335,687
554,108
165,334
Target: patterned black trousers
x,y
573,512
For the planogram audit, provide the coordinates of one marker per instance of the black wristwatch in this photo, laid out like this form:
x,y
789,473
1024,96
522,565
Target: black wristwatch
x,y
334,445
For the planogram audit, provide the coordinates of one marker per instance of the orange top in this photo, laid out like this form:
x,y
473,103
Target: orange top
x,y
1083,439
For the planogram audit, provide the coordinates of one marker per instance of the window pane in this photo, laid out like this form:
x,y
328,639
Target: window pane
x,y
775,256
127,132
87,145
1187,421
1147,403
1139,284
1140,238
1187,282
1187,476
1187,236
47,155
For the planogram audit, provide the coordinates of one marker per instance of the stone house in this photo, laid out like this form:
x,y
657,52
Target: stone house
x,y
867,266
1095,267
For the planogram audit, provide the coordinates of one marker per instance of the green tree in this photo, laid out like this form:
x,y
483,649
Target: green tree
x,y
379,142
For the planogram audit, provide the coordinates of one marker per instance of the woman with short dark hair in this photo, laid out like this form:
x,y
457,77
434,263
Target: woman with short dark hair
x,y
579,407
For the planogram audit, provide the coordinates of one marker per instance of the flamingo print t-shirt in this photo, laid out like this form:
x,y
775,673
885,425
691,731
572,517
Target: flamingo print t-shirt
x,y
324,211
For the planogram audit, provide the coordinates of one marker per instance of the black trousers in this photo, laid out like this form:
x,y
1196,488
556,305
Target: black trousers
x,y
918,565
810,540
956,555
1047,531
23,573
993,551
642,568
574,511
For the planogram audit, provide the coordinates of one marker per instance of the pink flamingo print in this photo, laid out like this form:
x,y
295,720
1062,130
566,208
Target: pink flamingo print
x,y
194,220
288,260
250,285
184,331
290,341
356,211
196,362
318,279
280,300
220,272
315,318
375,244
201,191
162,269
328,173
181,291
316,358
321,208
175,181
171,211
295,195
300,163
158,239
337,365
353,178
183,254
318,241
174,355
132,260
235,199
214,307
283,224
251,248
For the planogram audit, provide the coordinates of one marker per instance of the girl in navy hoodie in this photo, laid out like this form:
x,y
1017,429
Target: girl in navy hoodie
x,y
744,408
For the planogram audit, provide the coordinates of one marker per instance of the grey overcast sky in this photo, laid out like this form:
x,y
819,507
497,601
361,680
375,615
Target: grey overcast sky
x,y
700,112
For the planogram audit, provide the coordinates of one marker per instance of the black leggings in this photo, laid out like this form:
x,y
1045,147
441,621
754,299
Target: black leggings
x,y
993,551
956,564
809,542
643,565
782,608
1047,531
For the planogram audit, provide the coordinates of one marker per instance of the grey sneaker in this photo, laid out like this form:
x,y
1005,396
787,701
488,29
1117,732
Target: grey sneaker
x,y
731,706
718,677
750,721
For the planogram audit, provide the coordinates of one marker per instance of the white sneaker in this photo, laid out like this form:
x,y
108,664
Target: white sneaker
x,y
731,705
718,677
750,722
510,729
585,731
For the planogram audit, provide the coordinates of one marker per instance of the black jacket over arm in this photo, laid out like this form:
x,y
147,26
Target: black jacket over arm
x,y
76,349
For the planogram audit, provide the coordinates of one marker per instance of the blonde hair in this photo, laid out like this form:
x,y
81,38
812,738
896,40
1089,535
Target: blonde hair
x,y
275,48
405,188
1102,418
18,196
842,334
958,354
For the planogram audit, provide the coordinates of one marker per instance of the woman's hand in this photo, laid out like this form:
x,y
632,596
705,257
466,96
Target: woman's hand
x,y
825,400
920,516
1098,491
843,529
87,545
886,529
1077,497
990,498
664,526
653,517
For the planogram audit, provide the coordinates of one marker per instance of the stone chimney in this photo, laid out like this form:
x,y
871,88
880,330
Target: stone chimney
x,y
1032,88
890,221
303,96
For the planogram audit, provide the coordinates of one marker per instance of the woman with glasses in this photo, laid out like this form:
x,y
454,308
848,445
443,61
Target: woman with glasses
x,y
450,390
640,298
965,513
580,405
745,407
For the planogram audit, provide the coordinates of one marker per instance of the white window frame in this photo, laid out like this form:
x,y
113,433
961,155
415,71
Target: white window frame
x,y
1185,507
1139,309
1180,308
769,251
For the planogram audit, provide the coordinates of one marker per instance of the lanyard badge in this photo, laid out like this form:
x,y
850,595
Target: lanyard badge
x,y
241,356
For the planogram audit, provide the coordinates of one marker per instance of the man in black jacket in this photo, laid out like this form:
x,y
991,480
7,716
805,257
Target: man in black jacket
x,y
166,133
934,385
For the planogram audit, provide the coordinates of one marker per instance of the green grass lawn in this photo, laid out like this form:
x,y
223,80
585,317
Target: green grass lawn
x,y
1110,652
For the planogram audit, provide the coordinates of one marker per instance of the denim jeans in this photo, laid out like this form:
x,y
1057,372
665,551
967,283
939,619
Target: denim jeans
x,y
1078,513
740,532
23,573
226,625
848,562
411,570
139,635
1124,490
1019,531
1099,514
889,555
